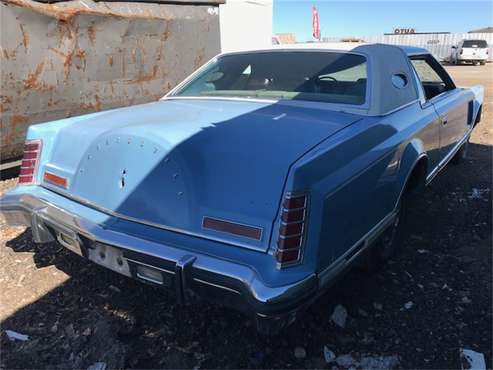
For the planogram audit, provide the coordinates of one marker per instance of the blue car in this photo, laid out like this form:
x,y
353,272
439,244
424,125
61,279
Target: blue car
x,y
255,182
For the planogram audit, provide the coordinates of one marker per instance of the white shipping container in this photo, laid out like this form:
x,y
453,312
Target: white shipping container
x,y
245,24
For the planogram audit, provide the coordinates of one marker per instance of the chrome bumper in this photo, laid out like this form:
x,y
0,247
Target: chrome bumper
x,y
229,283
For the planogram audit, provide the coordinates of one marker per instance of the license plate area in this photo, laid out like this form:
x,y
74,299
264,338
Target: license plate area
x,y
109,257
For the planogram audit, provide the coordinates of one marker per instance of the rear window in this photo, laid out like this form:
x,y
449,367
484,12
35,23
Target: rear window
x,y
299,75
474,44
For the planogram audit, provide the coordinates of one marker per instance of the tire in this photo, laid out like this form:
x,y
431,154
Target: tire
x,y
461,154
390,241
483,62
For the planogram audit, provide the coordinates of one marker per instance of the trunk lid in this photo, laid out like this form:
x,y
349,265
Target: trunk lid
x,y
174,162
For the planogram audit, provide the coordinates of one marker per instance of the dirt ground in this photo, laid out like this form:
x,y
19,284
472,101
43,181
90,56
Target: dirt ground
x,y
76,313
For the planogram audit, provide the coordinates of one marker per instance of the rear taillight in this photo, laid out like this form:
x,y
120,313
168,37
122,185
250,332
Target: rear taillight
x,y
292,229
30,160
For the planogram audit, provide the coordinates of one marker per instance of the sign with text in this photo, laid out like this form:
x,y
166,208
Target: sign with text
x,y
404,31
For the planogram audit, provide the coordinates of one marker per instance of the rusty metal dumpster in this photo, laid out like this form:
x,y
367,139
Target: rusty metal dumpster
x,y
68,58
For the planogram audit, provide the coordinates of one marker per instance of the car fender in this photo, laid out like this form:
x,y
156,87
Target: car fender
x,y
413,153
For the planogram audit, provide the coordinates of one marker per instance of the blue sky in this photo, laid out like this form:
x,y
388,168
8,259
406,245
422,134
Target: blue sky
x,y
371,17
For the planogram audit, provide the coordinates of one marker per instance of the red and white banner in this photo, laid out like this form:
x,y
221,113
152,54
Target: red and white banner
x,y
315,23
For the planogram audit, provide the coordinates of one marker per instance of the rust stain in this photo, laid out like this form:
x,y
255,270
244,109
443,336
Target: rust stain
x,y
6,99
162,42
110,60
98,102
81,55
25,36
52,103
68,63
145,77
32,79
86,107
199,59
15,120
7,55
18,119
66,13
91,33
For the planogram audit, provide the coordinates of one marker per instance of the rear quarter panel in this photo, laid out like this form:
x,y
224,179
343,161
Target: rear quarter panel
x,y
355,178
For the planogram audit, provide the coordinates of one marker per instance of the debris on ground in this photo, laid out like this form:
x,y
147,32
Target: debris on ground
x,y
478,193
378,362
97,366
466,300
339,316
346,361
299,352
329,356
472,360
115,289
13,336
365,361
408,305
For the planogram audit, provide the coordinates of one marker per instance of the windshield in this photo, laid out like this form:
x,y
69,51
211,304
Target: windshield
x,y
293,75
474,44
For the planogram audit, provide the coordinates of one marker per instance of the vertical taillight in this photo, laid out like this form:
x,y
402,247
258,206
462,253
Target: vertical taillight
x,y
29,165
292,229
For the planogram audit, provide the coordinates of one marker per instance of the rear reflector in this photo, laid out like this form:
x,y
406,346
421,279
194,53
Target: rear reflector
x,y
29,164
55,179
232,228
292,229
288,243
293,216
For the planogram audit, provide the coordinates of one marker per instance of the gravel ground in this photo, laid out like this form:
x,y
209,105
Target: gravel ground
x,y
421,308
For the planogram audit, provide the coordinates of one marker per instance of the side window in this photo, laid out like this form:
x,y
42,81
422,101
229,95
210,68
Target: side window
x,y
433,77
425,72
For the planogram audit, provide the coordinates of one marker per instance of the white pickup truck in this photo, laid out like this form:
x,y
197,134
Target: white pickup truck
x,y
472,51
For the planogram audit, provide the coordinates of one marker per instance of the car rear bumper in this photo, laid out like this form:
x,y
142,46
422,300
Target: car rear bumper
x,y
188,273
471,58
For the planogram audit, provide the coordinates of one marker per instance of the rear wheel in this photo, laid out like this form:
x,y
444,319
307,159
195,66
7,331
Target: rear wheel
x,y
390,241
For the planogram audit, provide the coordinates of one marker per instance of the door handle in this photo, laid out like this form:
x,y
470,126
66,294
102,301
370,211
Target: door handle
x,y
444,120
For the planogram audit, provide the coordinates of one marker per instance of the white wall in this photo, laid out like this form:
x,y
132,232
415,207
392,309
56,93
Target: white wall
x,y
245,24
440,45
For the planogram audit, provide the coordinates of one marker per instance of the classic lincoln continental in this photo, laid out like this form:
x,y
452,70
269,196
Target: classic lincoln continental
x,y
255,182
